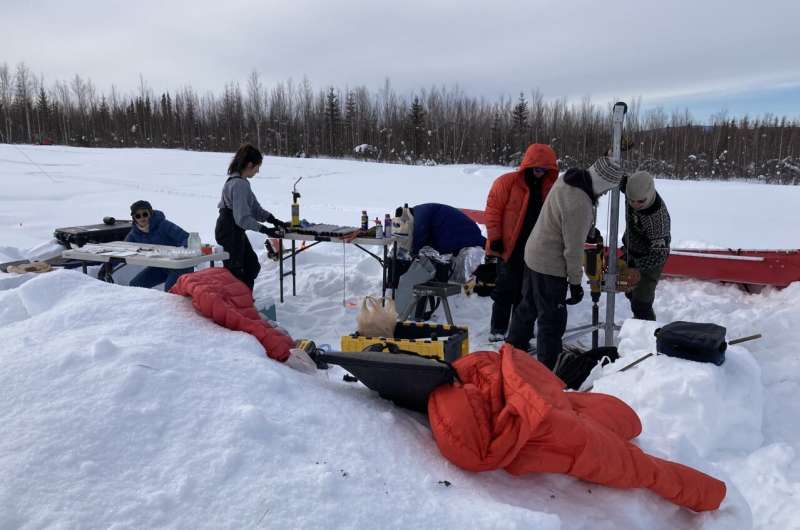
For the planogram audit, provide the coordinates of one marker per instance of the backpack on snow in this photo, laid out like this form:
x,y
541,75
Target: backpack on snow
x,y
704,343
574,366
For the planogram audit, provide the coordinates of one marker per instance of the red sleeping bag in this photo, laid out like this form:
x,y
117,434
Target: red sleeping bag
x,y
511,412
220,296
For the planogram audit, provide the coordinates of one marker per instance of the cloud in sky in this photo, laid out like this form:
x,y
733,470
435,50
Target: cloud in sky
x,y
666,51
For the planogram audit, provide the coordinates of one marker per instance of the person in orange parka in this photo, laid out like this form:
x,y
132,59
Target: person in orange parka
x,y
510,412
512,208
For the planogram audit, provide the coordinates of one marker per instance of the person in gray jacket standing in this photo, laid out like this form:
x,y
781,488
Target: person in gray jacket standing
x,y
239,210
554,255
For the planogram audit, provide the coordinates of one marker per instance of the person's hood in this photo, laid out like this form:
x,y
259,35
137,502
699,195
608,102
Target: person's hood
x,y
540,155
156,217
581,179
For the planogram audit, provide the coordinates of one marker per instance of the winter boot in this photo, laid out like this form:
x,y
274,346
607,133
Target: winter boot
x,y
497,336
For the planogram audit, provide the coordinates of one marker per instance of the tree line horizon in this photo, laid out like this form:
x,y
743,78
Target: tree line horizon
x,y
437,125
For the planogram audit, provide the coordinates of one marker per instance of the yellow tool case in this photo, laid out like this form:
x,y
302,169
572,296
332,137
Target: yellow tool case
x,y
440,341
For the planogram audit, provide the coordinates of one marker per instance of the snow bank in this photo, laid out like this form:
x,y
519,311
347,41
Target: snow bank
x,y
122,408
130,411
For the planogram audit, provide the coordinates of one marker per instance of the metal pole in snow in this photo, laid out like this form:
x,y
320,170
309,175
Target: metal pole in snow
x,y
610,284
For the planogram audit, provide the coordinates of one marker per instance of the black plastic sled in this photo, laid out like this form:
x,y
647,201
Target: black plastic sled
x,y
405,378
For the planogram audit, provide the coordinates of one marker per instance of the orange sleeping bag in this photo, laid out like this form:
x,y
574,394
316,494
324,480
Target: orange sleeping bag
x,y
511,412
220,296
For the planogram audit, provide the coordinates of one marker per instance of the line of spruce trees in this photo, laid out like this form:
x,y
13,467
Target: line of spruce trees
x,y
437,125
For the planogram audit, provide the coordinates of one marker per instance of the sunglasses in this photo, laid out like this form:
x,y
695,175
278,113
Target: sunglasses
x,y
141,215
540,170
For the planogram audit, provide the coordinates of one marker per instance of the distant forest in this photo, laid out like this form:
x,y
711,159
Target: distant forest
x,y
431,126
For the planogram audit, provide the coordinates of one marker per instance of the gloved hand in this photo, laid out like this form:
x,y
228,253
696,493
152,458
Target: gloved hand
x,y
575,294
271,232
496,246
632,277
277,222
627,144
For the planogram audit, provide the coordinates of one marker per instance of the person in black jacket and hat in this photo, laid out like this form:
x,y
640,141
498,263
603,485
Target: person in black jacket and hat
x,y
239,211
646,241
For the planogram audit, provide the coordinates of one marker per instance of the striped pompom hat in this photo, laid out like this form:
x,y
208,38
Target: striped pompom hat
x,y
605,174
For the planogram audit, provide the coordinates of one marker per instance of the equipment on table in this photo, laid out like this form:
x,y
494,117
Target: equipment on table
x,y
99,233
325,230
296,204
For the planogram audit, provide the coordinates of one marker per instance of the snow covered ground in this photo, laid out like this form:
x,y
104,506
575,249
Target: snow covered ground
x,y
123,408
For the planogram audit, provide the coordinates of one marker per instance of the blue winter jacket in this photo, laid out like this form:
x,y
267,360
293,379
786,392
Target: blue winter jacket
x,y
162,232
444,228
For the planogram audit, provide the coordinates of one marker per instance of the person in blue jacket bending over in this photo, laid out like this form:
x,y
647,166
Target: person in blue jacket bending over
x,y
445,229
151,227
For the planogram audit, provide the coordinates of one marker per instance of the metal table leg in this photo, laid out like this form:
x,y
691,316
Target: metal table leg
x,y
394,268
294,275
447,313
384,265
280,267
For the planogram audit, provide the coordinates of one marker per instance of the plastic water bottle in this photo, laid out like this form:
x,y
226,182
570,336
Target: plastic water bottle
x,y
364,220
194,244
387,226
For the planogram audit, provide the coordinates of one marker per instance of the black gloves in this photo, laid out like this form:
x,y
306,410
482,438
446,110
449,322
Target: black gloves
x,y
575,294
277,222
496,246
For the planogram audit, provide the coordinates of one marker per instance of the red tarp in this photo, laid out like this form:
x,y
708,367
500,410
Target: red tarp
x,y
778,268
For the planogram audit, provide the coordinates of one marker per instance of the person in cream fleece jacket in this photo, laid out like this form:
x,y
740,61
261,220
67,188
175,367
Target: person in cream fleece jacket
x,y
553,256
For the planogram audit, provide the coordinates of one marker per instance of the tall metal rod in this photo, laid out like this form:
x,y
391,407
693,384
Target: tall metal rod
x,y
610,284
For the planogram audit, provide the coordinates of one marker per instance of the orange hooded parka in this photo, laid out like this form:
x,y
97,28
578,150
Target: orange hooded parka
x,y
508,199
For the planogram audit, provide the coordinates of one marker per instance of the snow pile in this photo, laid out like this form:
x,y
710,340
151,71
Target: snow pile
x,y
123,408
689,399
132,411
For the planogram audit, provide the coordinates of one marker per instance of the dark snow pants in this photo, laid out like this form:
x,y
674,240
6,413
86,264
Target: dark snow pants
x,y
543,303
507,293
152,276
644,294
243,262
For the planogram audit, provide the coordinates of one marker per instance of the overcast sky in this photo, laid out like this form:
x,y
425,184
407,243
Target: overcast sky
x,y
707,55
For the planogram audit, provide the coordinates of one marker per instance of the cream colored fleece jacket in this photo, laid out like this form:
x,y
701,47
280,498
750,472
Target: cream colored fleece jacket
x,y
555,246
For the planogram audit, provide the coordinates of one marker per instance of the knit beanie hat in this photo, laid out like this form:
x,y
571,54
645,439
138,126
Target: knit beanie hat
x,y
605,174
641,187
140,205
